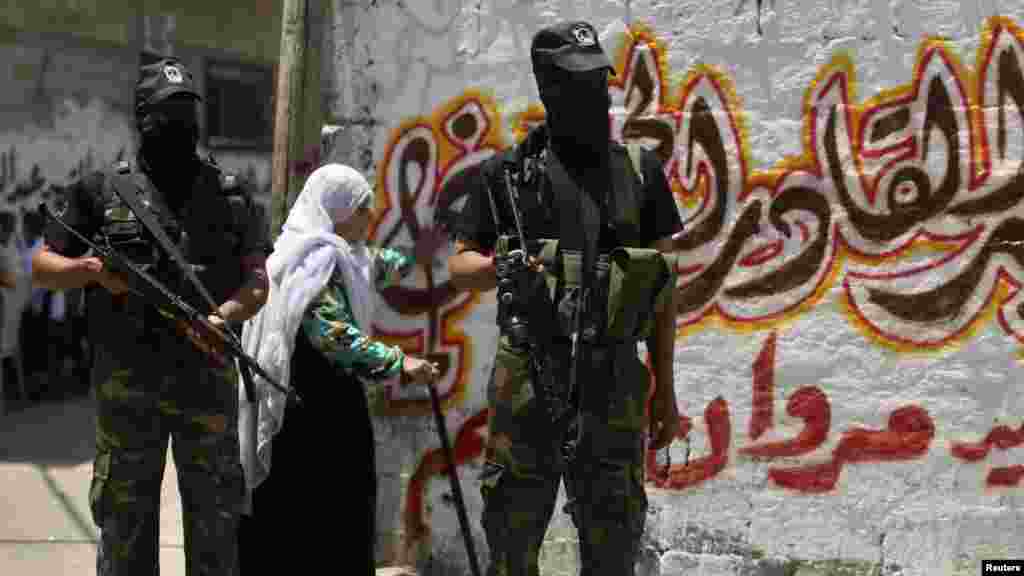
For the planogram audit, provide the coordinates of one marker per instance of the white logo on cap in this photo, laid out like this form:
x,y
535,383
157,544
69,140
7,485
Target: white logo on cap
x,y
584,36
173,75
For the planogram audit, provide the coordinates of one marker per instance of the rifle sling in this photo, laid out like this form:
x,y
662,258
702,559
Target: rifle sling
x,y
122,187
127,193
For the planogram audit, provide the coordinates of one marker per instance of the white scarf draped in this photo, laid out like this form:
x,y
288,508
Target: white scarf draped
x,y
305,256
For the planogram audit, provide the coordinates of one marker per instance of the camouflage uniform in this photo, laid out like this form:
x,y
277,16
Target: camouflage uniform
x,y
151,383
523,461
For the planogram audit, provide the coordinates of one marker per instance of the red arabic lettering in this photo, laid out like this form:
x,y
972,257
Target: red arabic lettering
x,y
681,476
810,405
1006,476
908,436
764,389
469,444
1002,437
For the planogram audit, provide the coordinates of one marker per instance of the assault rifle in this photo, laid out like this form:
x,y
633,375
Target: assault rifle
x,y
526,323
187,320
564,410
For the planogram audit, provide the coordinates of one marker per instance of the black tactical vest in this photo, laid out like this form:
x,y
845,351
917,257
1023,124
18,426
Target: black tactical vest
x,y
207,224
553,205
549,196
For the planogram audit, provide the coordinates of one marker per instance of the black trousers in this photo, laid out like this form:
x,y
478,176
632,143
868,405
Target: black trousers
x,y
319,502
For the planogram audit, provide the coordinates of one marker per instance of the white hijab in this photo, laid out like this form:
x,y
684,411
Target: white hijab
x,y
305,255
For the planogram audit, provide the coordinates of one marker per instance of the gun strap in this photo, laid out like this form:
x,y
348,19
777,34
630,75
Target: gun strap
x,y
123,187
493,205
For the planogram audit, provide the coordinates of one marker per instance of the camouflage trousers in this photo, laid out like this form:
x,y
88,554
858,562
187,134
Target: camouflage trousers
x,y
524,467
139,409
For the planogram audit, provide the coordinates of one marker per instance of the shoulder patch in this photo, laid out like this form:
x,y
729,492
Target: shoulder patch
x,y
228,180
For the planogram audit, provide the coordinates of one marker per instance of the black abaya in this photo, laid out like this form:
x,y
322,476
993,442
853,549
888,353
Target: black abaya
x,y
322,478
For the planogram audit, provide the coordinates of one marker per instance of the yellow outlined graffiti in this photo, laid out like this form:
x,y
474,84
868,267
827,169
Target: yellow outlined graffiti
x,y
919,185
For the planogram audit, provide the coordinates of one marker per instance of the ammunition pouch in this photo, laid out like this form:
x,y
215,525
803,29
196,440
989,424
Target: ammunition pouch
x,y
629,285
125,236
640,281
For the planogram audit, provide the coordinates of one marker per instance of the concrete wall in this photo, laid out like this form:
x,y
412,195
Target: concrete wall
x,y
848,351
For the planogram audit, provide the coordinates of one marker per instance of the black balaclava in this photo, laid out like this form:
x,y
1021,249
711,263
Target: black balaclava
x,y
169,133
576,105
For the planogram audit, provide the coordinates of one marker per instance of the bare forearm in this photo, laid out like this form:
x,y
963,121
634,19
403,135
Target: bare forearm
x,y
661,345
471,270
247,301
55,272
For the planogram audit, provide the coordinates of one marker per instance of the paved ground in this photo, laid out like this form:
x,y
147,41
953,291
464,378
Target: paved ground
x,y
45,468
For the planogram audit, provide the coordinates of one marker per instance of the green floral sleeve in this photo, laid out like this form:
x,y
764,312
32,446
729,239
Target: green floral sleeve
x,y
391,265
332,329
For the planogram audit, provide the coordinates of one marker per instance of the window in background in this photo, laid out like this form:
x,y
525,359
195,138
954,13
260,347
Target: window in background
x,y
239,106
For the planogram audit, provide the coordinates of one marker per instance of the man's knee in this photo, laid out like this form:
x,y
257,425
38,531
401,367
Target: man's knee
x,y
613,510
516,513
125,484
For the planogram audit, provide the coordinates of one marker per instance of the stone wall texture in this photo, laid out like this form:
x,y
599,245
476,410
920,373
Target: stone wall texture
x,y
848,351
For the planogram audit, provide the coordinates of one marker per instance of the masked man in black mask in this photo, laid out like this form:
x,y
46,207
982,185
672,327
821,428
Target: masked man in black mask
x,y
152,381
569,394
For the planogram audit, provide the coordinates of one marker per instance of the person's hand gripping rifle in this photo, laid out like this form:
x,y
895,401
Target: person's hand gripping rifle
x,y
517,273
208,337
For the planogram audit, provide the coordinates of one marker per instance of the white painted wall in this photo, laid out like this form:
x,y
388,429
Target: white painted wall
x,y
399,70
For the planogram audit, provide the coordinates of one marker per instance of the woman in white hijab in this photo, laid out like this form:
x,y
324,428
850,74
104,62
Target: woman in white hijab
x,y
313,334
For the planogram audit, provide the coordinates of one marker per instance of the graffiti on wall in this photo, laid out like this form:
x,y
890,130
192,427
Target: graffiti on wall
x,y
421,164
924,170
419,161
83,137
37,161
917,186
907,435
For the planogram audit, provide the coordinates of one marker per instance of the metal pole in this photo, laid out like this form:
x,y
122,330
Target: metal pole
x,y
453,477
287,109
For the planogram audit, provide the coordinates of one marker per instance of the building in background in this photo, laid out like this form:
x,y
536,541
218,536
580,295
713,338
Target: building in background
x,y
68,68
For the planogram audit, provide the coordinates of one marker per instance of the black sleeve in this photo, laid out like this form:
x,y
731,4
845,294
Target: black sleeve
x,y
251,222
466,208
661,215
257,237
76,206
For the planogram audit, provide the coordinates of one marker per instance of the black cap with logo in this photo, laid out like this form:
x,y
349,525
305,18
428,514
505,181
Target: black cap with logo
x,y
571,46
161,80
